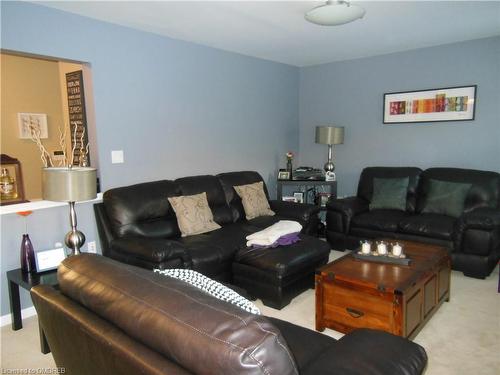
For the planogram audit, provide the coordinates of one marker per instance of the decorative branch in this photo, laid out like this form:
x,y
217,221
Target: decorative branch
x,y
62,144
87,148
74,145
35,137
82,148
35,132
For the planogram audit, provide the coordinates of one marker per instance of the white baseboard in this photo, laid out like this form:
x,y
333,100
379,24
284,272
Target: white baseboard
x,y
25,313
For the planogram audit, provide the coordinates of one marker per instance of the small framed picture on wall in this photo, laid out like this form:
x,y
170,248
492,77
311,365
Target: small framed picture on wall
x,y
32,123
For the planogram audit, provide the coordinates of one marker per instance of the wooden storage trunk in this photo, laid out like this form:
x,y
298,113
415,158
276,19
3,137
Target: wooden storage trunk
x,y
352,293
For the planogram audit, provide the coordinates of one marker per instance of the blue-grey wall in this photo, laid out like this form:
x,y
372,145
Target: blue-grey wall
x,y
175,108
350,94
45,228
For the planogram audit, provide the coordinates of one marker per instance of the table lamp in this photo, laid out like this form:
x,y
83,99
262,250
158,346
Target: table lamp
x,y
70,184
330,135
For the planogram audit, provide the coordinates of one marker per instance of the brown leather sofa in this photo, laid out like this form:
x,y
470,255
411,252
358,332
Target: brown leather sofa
x,y
138,226
112,318
473,237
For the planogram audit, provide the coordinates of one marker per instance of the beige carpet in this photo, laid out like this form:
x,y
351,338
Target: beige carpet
x,y
461,338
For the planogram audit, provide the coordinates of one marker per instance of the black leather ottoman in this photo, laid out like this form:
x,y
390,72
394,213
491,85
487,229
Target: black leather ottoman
x,y
278,275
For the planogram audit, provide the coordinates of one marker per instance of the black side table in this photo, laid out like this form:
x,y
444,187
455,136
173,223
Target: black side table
x,y
332,185
17,279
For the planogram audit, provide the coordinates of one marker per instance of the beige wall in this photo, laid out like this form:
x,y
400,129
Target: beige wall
x,y
30,85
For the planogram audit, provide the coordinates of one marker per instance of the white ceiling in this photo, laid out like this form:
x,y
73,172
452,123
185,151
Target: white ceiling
x,y
277,30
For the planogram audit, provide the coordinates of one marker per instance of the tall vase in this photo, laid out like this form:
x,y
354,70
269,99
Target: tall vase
x,y
27,255
289,167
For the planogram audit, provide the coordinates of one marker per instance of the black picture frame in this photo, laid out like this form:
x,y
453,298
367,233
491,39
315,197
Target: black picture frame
x,y
457,103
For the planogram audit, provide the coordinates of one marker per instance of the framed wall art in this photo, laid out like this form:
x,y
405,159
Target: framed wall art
x,y
37,120
444,104
77,115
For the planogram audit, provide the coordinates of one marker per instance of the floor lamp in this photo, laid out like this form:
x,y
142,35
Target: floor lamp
x,y
70,184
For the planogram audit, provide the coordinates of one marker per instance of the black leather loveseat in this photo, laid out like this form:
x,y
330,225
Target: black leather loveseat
x,y
111,318
472,234
137,225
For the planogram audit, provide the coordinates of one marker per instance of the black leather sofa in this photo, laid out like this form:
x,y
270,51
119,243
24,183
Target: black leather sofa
x,y
473,238
111,318
137,225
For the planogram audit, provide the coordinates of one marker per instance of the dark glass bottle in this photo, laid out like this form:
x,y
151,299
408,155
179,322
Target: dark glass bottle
x,y
289,167
27,255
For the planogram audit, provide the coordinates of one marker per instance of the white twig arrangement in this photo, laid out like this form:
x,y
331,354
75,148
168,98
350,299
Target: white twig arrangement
x,y
62,144
45,155
74,145
83,149
35,137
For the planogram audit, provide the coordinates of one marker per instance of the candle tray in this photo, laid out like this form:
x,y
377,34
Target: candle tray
x,y
391,259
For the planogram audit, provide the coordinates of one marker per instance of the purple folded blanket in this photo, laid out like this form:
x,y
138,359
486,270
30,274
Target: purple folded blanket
x,y
287,239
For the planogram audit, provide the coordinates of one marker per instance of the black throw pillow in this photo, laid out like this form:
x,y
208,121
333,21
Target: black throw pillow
x,y
389,193
447,198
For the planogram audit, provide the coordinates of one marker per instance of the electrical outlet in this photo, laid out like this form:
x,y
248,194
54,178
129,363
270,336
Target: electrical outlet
x,y
92,247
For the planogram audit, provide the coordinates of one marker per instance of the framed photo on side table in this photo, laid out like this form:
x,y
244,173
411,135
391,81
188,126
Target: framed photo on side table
x,y
283,175
323,199
444,104
299,196
49,259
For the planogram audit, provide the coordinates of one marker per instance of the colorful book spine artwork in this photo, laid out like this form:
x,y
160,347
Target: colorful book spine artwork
x,y
440,99
438,104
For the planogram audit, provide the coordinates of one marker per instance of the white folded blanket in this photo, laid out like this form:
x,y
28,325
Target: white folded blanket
x,y
271,234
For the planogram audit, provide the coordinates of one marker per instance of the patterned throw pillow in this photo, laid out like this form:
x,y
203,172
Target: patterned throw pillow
x,y
211,287
193,213
254,200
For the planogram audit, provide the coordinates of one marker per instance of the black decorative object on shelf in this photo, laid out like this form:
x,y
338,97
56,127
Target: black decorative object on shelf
x,y
289,167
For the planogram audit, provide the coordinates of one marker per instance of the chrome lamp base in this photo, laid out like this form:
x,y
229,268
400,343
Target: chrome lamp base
x,y
329,166
74,238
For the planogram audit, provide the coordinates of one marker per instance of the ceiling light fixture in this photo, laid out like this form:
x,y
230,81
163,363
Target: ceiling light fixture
x,y
334,13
